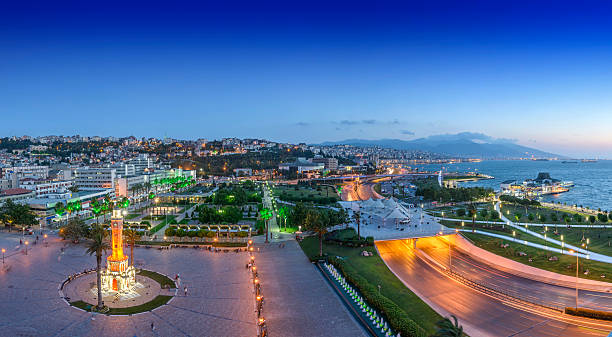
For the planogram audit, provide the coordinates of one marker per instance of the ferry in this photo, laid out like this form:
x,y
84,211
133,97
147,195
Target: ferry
x,y
534,188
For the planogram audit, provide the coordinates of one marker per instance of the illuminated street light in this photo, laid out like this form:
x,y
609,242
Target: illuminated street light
x,y
26,245
3,251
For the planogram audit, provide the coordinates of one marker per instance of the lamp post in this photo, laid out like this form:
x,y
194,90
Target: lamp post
x,y
3,251
576,253
26,246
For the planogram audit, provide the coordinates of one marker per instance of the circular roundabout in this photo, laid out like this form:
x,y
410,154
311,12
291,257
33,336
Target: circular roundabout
x,y
150,290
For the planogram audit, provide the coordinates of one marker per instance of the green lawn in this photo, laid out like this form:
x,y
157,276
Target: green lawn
x,y
451,212
159,278
376,272
565,265
600,239
154,303
509,210
307,192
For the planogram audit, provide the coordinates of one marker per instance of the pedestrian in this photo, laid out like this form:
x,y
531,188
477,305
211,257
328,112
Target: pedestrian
x,y
20,242
152,326
185,290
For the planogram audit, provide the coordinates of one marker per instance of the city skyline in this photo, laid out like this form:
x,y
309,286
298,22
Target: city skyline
x,y
535,73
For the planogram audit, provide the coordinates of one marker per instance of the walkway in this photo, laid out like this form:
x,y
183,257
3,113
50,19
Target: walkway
x,y
220,301
298,301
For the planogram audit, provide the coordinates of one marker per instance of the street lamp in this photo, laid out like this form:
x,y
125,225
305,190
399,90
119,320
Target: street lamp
x,y
3,251
576,253
26,245
562,244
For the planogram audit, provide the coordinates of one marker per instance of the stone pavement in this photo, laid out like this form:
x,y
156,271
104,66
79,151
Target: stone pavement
x,y
298,301
220,300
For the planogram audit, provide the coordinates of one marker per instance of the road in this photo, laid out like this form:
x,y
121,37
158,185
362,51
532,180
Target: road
x,y
354,191
517,286
480,314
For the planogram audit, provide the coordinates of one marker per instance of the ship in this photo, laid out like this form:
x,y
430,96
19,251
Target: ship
x,y
589,160
543,184
569,162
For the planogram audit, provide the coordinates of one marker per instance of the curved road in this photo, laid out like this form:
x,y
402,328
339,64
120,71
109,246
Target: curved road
x,y
534,291
353,191
480,314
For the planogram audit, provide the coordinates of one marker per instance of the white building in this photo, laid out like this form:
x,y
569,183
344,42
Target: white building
x,y
123,185
41,172
44,187
95,178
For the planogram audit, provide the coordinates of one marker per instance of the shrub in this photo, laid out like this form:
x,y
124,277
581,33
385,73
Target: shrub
x,y
170,232
589,313
397,318
461,212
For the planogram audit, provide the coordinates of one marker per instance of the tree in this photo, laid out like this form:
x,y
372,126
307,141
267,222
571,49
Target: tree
x,y
343,217
96,208
318,223
578,217
357,218
530,216
602,217
266,214
543,218
60,209
484,213
74,230
98,245
592,219
448,328
461,212
283,213
472,210
13,214
131,236
518,216
73,189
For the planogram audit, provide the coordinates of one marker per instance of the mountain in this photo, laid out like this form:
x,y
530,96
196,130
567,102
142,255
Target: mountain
x,y
465,144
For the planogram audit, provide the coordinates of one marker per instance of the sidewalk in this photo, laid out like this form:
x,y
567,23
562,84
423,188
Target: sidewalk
x,y
298,301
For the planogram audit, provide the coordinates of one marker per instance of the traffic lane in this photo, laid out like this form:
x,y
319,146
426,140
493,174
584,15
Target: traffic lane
x,y
485,315
465,265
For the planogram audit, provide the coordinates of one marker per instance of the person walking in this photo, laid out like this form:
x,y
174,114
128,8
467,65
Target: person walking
x,y
185,290
152,326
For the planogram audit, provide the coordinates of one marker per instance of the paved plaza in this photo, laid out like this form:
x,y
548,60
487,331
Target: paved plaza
x,y
298,301
220,299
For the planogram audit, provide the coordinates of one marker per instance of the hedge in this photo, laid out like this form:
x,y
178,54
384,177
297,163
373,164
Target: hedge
x,y
605,315
397,318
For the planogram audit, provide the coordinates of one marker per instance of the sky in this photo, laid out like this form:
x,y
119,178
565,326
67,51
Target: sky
x,y
536,72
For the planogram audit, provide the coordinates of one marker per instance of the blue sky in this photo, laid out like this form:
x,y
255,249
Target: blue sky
x,y
537,72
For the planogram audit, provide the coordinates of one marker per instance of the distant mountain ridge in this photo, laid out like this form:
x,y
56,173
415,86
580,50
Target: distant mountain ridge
x,y
466,145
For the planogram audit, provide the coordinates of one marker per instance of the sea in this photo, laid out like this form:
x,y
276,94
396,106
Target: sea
x,y
593,180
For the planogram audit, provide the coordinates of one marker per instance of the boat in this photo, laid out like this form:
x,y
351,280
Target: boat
x,y
569,162
589,160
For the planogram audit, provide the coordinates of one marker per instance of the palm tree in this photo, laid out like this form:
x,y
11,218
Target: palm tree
x,y
472,210
266,214
318,223
131,236
357,218
448,328
98,245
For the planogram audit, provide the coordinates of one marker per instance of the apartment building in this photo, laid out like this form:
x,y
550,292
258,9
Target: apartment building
x,y
98,178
